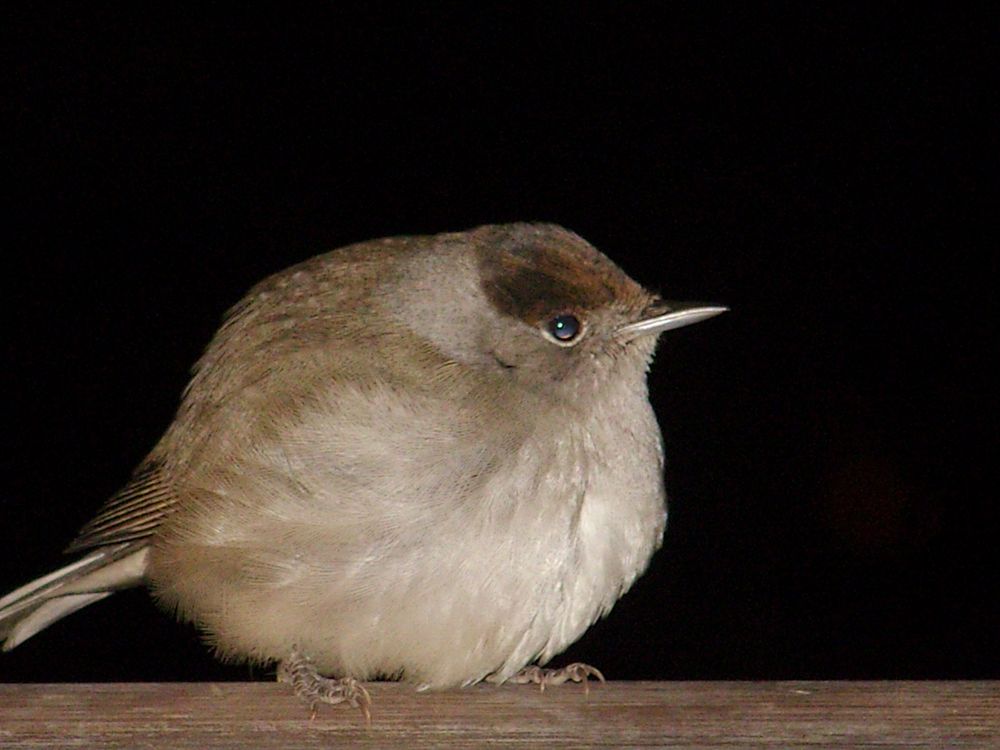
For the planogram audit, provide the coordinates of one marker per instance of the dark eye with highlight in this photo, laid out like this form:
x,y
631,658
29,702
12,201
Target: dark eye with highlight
x,y
564,328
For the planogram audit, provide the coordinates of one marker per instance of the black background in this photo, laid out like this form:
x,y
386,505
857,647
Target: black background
x,y
824,173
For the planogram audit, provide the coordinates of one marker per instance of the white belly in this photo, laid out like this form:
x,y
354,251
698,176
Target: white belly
x,y
451,591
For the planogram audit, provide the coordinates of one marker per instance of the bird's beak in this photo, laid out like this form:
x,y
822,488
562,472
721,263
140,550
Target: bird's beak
x,y
666,316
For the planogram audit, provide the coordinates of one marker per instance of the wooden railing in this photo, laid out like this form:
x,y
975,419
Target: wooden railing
x,y
617,714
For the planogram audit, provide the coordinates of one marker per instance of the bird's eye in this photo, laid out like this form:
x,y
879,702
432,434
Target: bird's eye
x,y
564,328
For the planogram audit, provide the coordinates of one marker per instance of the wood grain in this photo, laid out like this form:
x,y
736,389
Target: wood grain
x,y
618,714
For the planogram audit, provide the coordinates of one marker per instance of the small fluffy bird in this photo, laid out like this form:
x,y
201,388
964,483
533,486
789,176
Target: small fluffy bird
x,y
425,458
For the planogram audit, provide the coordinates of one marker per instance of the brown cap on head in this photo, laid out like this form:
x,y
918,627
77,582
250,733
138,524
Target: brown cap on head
x,y
532,271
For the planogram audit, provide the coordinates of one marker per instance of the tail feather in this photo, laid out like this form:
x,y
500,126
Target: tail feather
x,y
38,604
46,614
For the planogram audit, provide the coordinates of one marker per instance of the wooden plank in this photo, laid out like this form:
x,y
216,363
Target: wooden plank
x,y
618,714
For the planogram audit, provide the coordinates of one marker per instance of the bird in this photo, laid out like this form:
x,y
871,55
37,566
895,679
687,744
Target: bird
x,y
429,458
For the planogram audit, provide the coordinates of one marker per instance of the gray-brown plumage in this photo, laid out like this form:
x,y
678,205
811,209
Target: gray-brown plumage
x,y
430,458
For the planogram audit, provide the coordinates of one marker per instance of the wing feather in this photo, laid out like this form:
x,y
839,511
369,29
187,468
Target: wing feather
x,y
133,513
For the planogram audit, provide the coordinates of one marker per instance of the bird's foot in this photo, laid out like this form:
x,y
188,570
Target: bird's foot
x,y
541,676
313,688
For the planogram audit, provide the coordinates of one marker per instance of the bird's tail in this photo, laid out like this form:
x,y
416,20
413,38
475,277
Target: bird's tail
x,y
38,604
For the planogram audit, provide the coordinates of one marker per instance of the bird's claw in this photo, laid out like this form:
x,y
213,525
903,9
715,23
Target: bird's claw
x,y
542,676
313,688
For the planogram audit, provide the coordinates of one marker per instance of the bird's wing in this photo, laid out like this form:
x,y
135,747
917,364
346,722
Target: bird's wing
x,y
133,513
